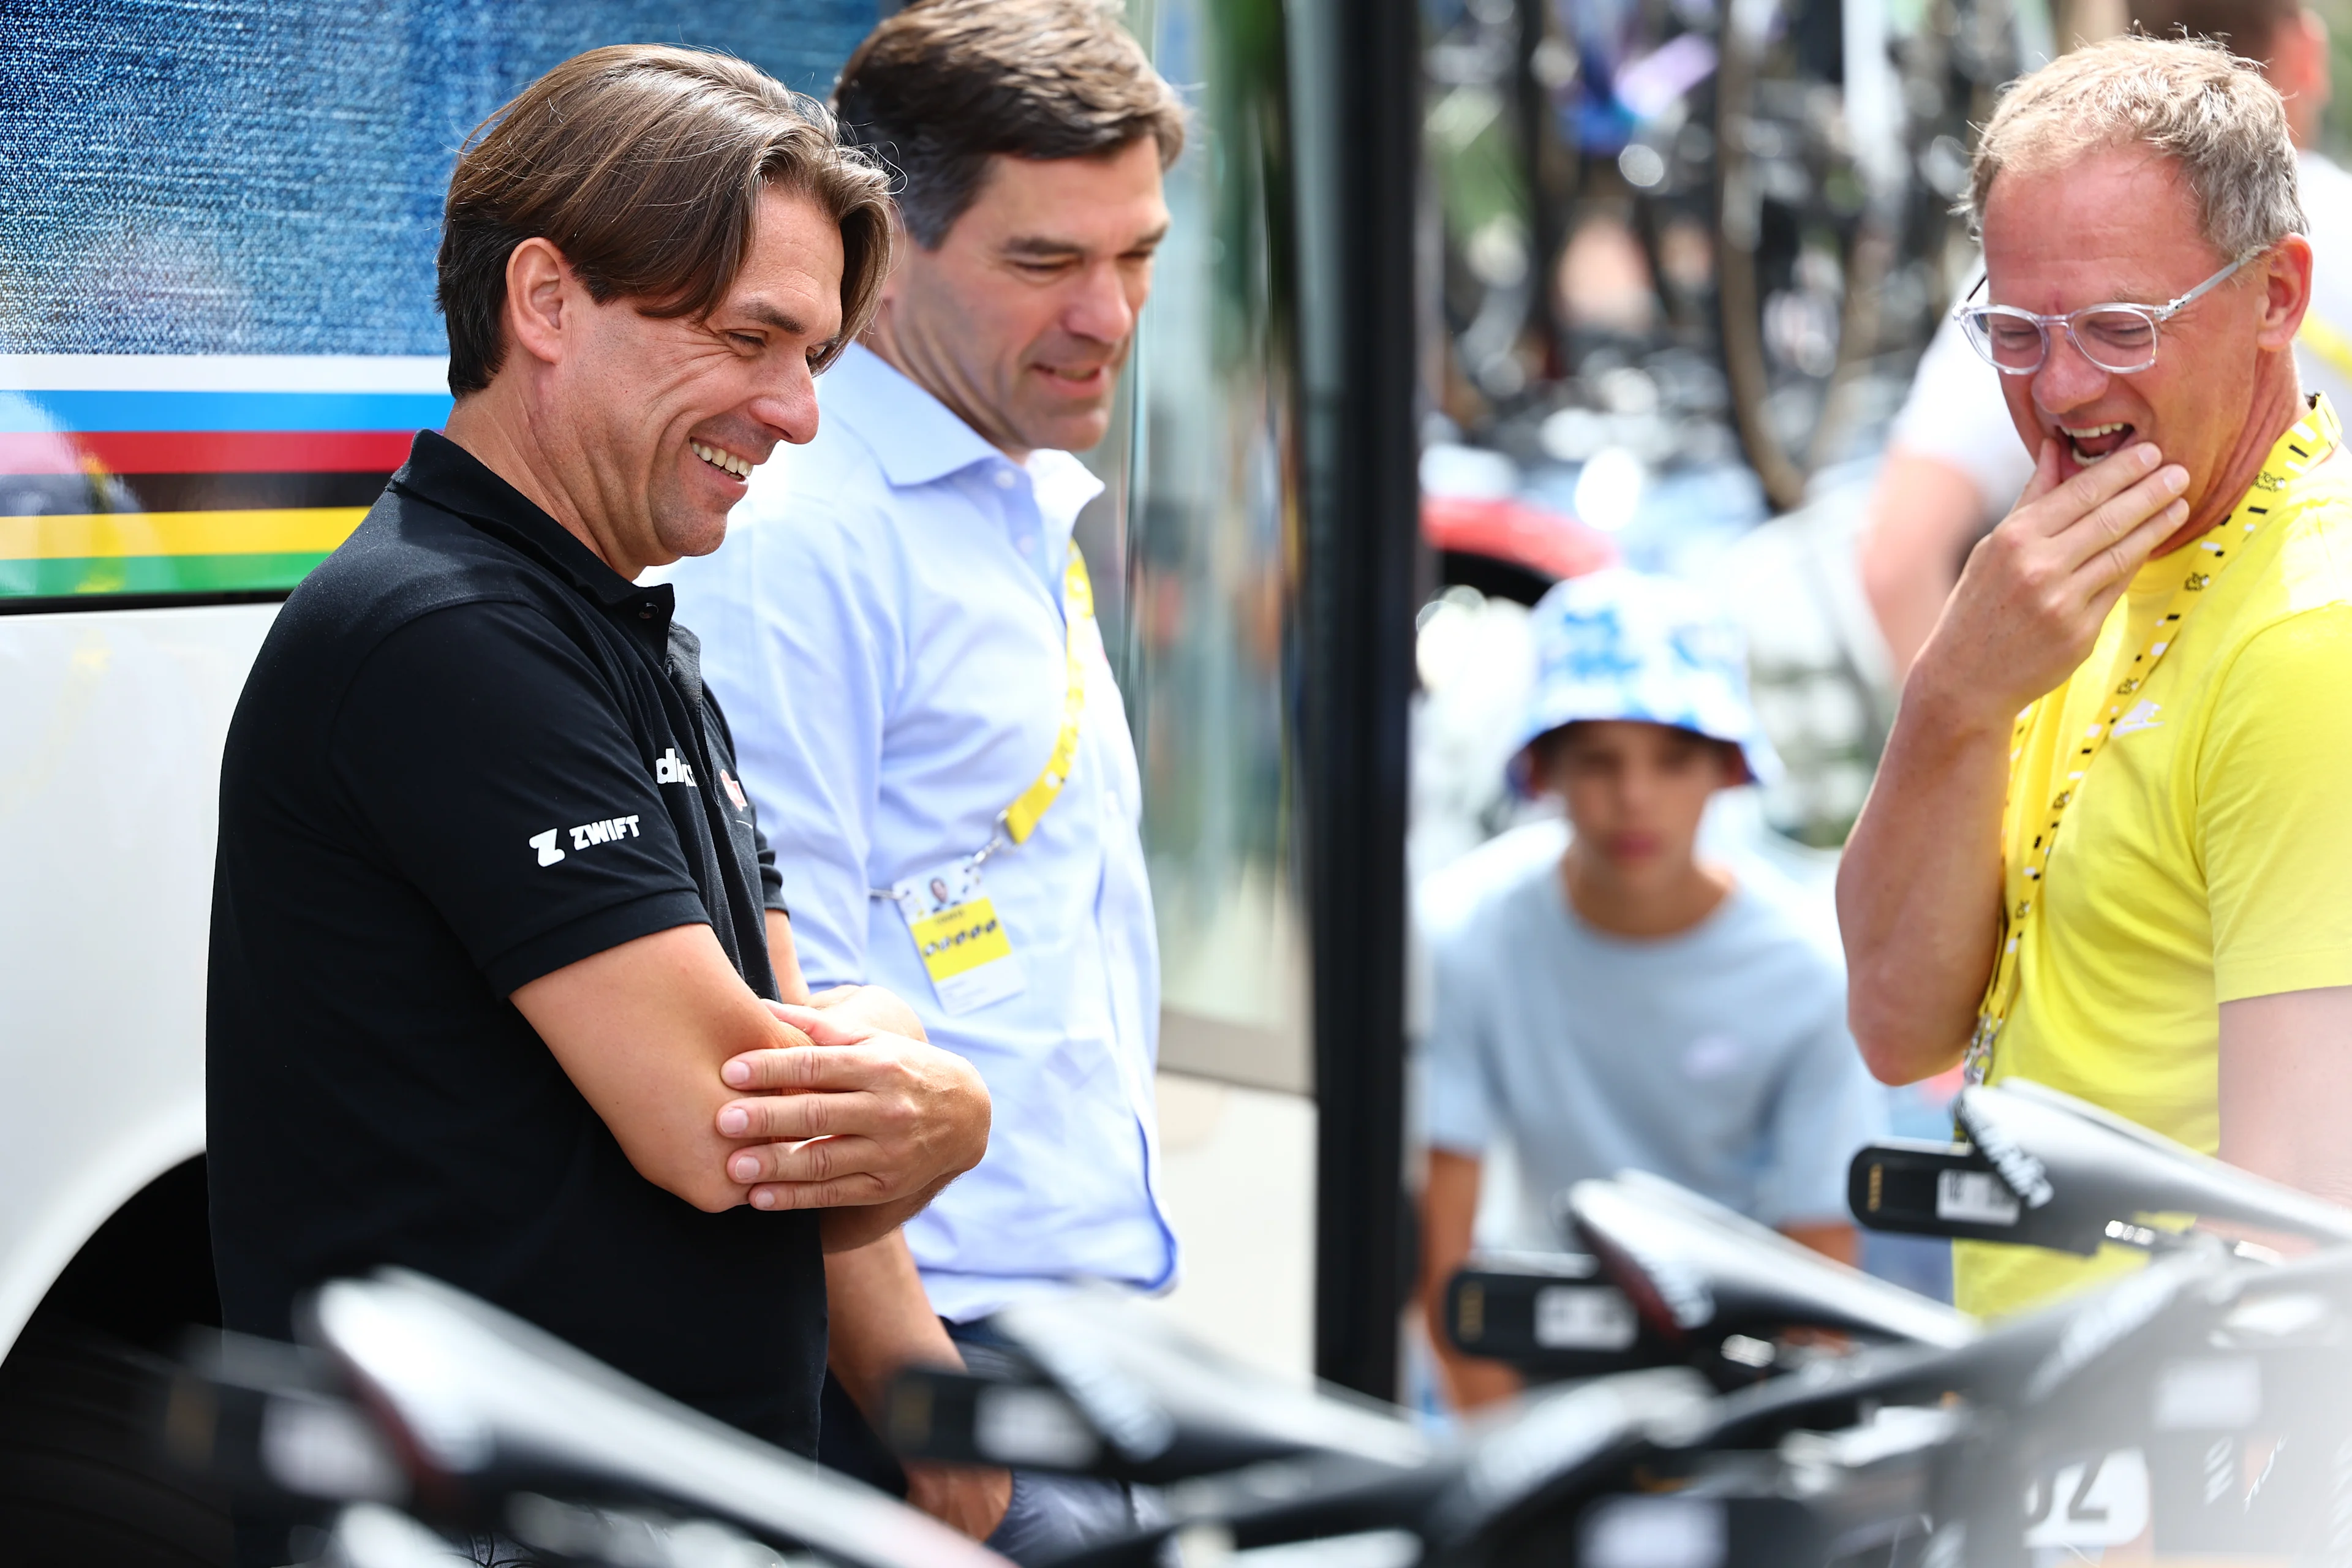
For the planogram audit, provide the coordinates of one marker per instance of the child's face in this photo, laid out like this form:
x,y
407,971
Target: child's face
x,y
1635,791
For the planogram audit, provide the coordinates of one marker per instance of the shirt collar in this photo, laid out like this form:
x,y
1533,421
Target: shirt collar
x,y
918,439
1063,486
915,436
444,474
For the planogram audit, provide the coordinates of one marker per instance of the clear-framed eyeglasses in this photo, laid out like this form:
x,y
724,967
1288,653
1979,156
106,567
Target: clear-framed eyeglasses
x,y
2117,338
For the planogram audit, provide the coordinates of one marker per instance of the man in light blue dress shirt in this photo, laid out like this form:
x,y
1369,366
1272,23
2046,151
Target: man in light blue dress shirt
x,y
909,661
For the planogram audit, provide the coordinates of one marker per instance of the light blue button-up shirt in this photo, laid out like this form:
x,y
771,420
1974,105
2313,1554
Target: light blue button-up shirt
x,y
884,626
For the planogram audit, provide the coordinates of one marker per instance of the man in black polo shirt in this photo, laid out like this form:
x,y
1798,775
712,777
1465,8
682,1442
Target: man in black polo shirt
x,y
491,914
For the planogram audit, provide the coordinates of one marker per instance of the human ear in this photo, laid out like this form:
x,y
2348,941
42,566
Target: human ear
x,y
902,250
537,283
2286,280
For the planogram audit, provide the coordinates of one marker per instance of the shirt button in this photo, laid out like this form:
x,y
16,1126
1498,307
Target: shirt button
x,y
1004,479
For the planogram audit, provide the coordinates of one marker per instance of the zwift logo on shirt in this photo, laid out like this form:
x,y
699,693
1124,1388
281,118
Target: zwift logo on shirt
x,y
671,768
586,834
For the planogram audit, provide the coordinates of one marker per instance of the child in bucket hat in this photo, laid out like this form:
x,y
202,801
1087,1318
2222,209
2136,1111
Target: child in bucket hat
x,y
1627,1003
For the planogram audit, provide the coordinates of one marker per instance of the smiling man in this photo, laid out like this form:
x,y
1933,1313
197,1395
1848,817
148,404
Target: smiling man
x,y
905,637
2108,845
488,933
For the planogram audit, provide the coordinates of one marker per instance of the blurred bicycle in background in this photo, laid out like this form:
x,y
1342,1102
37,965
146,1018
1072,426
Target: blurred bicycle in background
x,y
1681,258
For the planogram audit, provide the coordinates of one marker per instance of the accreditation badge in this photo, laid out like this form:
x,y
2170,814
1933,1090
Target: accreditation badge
x,y
964,945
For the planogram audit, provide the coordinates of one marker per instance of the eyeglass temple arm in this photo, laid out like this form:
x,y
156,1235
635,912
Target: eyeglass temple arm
x,y
2164,311
2208,285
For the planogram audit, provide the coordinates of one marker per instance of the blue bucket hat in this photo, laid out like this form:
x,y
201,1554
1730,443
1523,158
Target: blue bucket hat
x,y
1622,645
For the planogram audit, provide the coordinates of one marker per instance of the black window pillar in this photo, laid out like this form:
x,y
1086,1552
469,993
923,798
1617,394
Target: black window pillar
x,y
1356,120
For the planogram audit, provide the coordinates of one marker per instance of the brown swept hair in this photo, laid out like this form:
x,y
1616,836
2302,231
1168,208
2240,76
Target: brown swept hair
x,y
643,166
944,85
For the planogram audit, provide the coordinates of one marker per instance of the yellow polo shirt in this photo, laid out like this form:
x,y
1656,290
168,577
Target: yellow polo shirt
x,y
2207,854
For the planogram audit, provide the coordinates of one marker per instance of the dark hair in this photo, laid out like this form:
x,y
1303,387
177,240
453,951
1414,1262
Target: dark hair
x,y
643,166
943,86
2249,28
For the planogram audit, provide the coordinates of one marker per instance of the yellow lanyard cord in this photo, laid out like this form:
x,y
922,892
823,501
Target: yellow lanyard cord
x,y
2309,441
1020,820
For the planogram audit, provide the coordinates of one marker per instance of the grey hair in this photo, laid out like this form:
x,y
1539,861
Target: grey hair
x,y
2190,99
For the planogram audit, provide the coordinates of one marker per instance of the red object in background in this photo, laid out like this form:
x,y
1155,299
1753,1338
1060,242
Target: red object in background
x,y
1550,542
205,452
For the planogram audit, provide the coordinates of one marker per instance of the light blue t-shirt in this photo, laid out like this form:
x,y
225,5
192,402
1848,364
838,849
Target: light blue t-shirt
x,y
1718,1059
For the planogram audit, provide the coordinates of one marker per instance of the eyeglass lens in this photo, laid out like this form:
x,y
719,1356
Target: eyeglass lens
x,y
2115,339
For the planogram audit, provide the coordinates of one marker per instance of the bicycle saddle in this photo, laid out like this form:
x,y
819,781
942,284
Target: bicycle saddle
x,y
1549,1314
1695,1268
2045,1169
1101,1387
481,1405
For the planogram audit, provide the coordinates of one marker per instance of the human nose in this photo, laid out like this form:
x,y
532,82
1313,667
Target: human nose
x,y
787,404
1102,309
2067,378
1637,789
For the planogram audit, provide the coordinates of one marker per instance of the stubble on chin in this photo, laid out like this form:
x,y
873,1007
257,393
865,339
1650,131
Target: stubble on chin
x,y
1073,432
680,528
697,535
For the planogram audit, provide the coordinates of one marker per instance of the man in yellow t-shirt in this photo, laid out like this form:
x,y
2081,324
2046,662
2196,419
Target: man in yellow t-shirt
x,y
2110,846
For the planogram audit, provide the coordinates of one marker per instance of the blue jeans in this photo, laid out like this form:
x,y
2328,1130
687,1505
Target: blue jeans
x,y
1053,1516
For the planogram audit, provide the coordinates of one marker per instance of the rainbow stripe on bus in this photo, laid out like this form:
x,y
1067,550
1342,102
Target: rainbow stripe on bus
x,y
165,475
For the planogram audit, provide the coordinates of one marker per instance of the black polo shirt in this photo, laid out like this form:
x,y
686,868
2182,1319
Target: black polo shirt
x,y
469,754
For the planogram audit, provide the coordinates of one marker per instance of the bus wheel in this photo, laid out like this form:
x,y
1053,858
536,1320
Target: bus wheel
x,y
83,1477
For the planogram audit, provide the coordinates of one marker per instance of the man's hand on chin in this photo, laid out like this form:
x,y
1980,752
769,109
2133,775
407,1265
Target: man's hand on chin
x,y
865,1122
2037,588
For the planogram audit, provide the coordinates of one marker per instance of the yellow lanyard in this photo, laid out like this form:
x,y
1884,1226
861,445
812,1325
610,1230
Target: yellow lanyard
x,y
2022,883
1020,820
